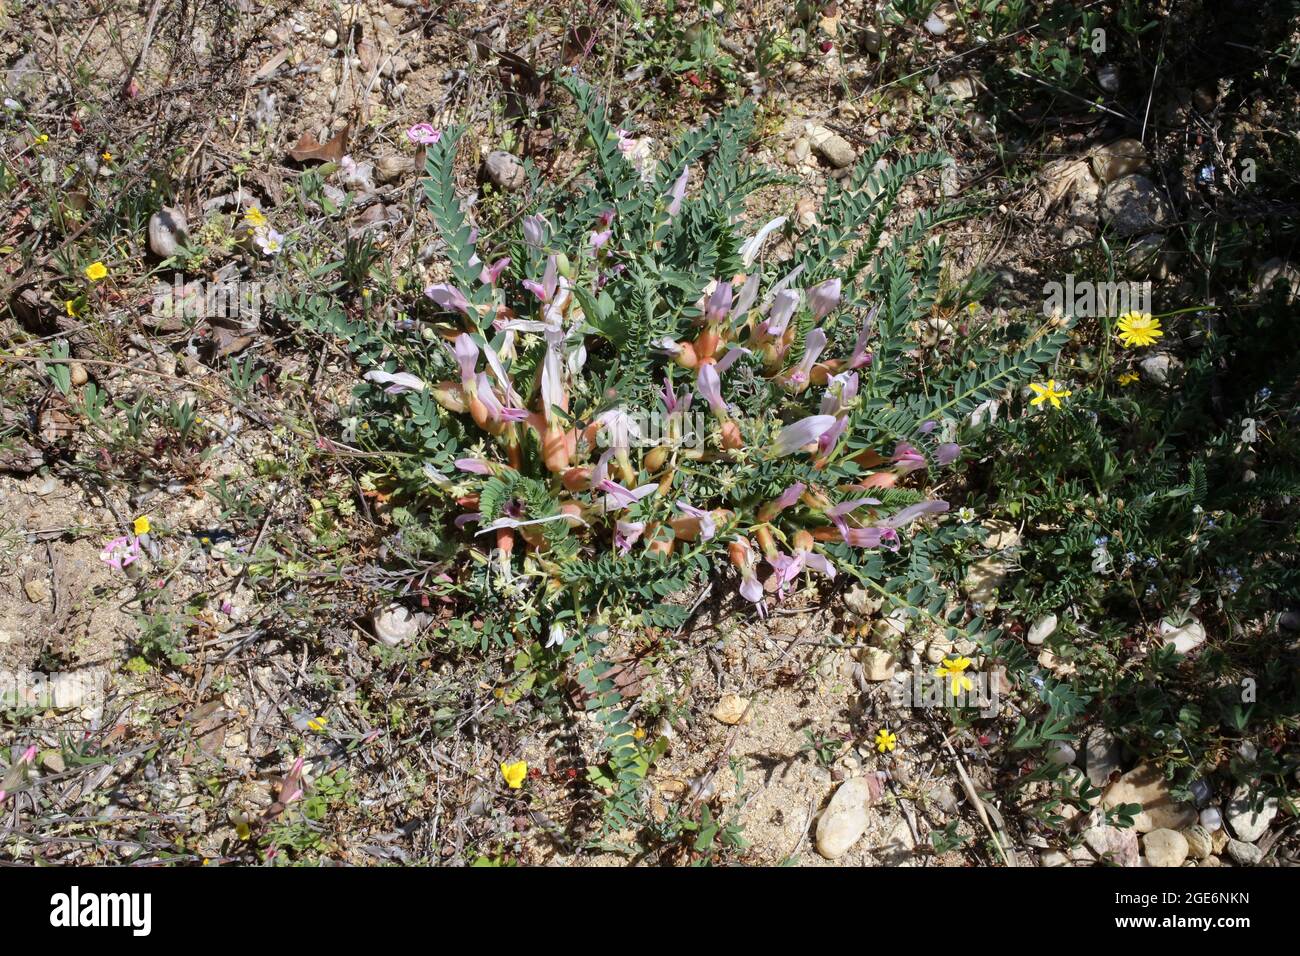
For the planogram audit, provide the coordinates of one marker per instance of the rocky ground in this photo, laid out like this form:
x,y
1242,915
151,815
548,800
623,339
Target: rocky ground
x,y
169,701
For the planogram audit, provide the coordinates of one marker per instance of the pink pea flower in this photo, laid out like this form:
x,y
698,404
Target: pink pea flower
x,y
708,527
449,297
120,552
907,459
490,274
823,298
424,134
626,534
806,431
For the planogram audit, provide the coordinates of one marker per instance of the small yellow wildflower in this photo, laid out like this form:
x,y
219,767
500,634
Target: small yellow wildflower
x,y
106,156
514,773
253,216
70,306
639,733
973,308
42,139
141,525
96,271
952,669
1127,378
886,741
242,830
317,723
1137,329
1048,393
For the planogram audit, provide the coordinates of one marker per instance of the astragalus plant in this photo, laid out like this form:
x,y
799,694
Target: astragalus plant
x,y
618,396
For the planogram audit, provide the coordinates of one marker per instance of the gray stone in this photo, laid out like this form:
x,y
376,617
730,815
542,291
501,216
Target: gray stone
x,y
832,147
1159,368
1134,205
1244,854
1101,755
504,170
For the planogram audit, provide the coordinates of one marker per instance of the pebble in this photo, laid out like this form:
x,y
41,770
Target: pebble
x,y
1061,753
1119,846
1146,785
37,590
1165,848
168,231
832,147
1108,78
1054,858
395,624
1118,159
504,170
877,663
1211,819
845,819
1186,637
731,710
1244,854
53,761
331,38
1244,820
78,374
1134,205
1042,629
1101,756
1199,843
1158,368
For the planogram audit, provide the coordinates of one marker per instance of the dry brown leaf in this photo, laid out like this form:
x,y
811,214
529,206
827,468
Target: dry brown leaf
x,y
309,149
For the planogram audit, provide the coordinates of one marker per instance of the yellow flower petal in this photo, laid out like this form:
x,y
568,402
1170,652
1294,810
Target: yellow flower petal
x,y
514,774
141,525
96,271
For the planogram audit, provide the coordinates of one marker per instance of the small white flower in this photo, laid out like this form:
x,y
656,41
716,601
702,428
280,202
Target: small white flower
x,y
268,240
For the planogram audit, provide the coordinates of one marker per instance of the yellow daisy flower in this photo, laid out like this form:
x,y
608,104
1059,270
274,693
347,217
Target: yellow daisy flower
x,y
514,774
957,681
141,525
96,271
1048,393
886,741
253,216
1127,378
1137,329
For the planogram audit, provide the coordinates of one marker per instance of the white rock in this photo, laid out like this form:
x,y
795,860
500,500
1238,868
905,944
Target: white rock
x,y
1165,848
330,38
1185,637
1061,753
1244,820
845,819
1042,629
395,625
1211,818
168,231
